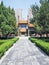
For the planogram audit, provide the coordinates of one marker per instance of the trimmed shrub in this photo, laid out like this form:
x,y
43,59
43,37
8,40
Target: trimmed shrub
x,y
6,45
41,44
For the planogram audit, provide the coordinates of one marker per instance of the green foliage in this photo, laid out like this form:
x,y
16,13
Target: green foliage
x,y
42,44
32,20
34,8
7,20
2,3
46,39
41,17
5,45
43,1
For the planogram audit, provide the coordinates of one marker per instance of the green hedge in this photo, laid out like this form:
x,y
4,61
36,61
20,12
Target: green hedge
x,y
2,41
42,44
6,45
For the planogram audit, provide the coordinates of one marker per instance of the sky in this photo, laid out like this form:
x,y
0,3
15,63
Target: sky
x,y
22,4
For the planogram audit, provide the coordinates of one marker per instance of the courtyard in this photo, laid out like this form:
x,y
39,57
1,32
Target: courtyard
x,y
25,52
24,32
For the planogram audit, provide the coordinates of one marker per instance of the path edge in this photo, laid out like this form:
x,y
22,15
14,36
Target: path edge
x,y
6,53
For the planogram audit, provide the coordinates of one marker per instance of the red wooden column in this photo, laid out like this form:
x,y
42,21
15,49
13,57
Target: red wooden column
x,y
18,27
18,32
28,33
28,25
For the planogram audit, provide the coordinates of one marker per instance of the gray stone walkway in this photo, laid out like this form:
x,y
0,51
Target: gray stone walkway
x,y
25,53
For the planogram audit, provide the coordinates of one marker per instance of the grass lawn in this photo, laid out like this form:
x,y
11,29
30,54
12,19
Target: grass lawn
x,y
6,44
41,43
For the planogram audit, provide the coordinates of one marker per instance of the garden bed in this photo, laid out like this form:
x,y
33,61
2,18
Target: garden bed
x,y
6,44
41,44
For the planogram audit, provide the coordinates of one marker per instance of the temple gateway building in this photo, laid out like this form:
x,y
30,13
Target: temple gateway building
x,y
24,26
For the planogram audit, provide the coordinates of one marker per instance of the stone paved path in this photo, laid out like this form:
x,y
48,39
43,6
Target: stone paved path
x,y
25,53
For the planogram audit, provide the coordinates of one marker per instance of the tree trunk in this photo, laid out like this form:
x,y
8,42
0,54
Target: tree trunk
x,y
46,34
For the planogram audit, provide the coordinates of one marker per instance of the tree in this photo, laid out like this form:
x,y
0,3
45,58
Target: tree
x,y
6,29
43,1
42,18
1,3
32,20
7,20
34,9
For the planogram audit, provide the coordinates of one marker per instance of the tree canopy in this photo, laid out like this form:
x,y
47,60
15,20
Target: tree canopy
x,y
42,17
7,20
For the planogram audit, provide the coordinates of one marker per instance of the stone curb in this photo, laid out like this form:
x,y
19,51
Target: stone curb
x,y
6,53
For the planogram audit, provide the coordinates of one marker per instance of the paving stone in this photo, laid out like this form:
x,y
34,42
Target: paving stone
x,y
25,52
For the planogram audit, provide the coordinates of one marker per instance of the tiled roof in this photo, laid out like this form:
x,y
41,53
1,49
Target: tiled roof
x,y
23,22
31,25
22,30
